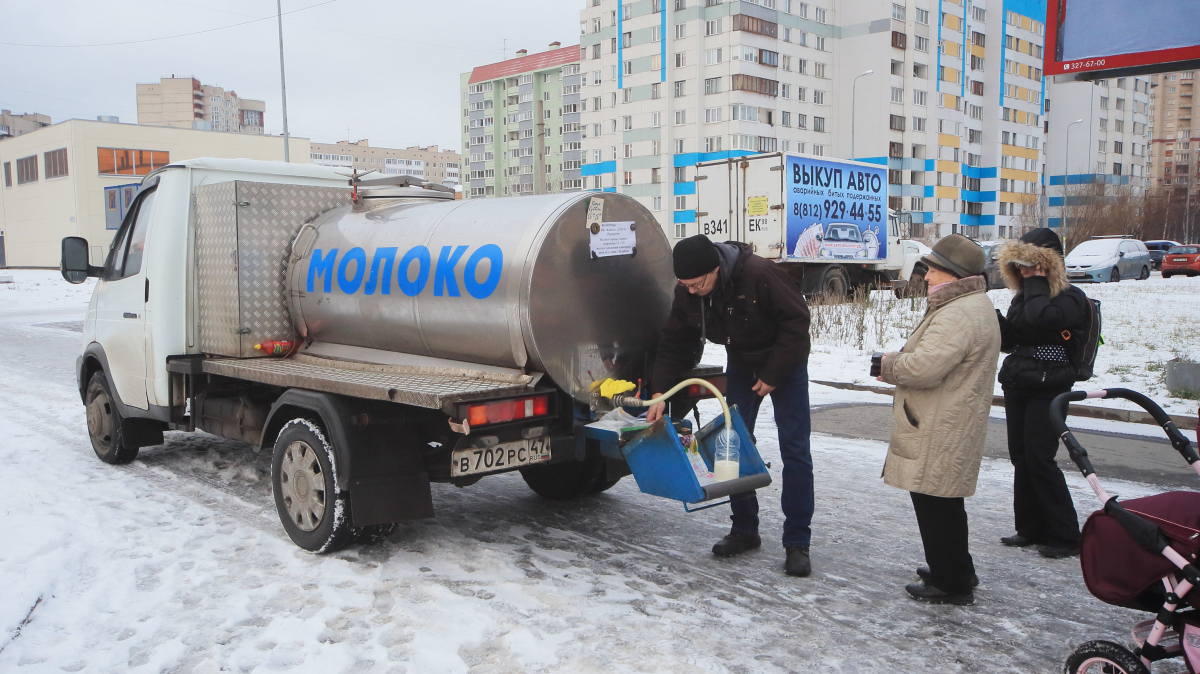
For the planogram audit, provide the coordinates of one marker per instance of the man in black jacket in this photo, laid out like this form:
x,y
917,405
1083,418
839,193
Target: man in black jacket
x,y
1046,323
730,296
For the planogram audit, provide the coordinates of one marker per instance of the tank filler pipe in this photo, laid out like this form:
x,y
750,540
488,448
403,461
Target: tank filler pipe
x,y
631,401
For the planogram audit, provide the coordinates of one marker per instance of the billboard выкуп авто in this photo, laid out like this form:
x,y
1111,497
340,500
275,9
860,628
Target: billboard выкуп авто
x,y
835,209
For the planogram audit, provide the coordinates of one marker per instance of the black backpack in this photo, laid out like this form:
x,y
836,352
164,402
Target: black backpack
x,y
1083,342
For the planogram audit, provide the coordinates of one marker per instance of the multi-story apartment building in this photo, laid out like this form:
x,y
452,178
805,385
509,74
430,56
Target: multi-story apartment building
x,y
947,94
430,163
1175,147
1098,142
16,125
185,103
521,124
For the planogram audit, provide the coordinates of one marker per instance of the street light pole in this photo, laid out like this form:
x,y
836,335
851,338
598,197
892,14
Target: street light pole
x,y
287,156
853,97
1067,180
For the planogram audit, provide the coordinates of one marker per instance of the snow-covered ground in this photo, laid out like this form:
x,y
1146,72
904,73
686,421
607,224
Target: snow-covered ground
x,y
177,562
1146,324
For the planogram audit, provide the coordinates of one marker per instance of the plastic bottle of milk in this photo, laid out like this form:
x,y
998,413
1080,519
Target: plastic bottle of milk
x,y
727,459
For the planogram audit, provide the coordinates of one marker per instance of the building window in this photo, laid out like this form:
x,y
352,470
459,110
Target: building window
x,y
919,97
922,44
681,174
897,12
897,95
657,203
922,16
681,203
712,115
680,88
819,124
7,174
896,123
712,144
629,177
56,163
27,170
680,117
113,162
655,178
712,85
680,31
680,230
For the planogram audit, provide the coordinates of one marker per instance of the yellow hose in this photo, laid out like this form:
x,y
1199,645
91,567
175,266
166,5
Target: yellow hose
x,y
631,401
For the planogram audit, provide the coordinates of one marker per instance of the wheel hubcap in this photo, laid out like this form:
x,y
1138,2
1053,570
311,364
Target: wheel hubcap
x,y
302,483
99,420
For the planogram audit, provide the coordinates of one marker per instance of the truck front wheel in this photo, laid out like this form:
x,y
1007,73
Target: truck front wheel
x,y
569,480
315,514
104,424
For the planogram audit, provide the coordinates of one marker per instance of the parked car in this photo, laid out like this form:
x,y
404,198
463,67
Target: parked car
x,y
1108,258
1158,249
1181,260
991,269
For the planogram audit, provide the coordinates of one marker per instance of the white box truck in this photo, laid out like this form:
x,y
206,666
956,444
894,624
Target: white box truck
x,y
826,220
374,337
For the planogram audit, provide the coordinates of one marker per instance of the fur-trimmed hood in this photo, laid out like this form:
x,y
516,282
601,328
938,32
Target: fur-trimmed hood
x,y
1045,259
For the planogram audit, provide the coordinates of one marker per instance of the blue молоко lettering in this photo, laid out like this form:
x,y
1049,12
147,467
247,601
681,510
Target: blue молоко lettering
x,y
412,272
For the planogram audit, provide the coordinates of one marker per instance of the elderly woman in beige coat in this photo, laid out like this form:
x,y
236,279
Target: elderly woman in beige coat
x,y
943,379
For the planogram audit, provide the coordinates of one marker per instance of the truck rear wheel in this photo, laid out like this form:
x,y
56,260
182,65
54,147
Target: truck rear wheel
x,y
916,286
315,514
834,283
104,424
569,480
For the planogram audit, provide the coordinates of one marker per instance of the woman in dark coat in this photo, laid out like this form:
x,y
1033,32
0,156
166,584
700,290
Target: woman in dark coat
x,y
1045,310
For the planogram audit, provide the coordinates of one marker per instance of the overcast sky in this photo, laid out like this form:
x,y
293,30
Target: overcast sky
x,y
386,70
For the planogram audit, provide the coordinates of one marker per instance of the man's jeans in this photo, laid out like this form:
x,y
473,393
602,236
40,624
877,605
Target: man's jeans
x,y
790,400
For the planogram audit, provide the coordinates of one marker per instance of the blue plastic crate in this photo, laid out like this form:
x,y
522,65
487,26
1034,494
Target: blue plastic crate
x,y
659,462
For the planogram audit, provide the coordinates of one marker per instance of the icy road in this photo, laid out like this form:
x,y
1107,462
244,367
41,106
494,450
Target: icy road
x,y
178,563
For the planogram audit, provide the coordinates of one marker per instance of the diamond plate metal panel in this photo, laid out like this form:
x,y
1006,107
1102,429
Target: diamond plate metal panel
x,y
244,232
422,390
268,217
216,269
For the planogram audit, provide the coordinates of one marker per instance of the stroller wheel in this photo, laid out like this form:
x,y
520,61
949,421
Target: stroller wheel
x,y
1103,657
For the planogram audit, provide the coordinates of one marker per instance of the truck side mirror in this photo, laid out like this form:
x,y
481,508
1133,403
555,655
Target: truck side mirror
x,y
74,266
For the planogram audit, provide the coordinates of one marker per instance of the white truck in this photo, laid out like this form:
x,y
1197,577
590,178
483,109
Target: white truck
x,y
376,338
826,220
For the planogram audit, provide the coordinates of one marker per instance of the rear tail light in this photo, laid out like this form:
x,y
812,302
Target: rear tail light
x,y
503,411
697,391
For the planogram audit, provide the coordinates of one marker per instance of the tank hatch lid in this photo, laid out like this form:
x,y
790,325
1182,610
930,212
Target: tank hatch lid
x,y
432,391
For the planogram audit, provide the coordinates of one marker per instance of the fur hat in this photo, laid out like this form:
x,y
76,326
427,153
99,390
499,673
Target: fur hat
x,y
957,255
1040,248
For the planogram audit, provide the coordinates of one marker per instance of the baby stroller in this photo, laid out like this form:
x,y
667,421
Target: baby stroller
x,y
1139,554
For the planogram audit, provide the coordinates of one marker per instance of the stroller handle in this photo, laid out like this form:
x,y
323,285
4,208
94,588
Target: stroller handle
x,y
1058,417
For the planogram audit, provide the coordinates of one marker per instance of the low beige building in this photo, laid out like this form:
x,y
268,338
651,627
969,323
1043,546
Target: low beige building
x,y
78,177
16,125
431,163
185,103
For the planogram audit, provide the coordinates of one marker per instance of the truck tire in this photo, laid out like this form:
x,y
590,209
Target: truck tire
x,y
104,424
834,283
314,512
569,480
916,286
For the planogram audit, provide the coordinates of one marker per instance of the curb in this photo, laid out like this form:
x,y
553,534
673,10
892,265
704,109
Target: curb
x,y
1131,416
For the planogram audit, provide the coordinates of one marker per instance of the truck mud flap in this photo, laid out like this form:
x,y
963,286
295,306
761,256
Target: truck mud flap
x,y
382,499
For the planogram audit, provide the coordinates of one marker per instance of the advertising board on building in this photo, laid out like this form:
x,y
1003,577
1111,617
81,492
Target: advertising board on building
x,y
1099,35
835,209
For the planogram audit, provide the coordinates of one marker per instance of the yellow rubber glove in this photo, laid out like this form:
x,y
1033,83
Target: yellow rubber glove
x,y
612,387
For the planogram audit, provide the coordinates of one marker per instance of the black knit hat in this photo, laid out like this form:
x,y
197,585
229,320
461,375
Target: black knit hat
x,y
694,257
1043,237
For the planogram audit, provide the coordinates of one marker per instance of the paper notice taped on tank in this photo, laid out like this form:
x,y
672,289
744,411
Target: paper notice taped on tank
x,y
614,238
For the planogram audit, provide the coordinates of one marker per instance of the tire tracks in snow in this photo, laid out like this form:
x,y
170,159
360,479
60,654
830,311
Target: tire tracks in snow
x,y
229,500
